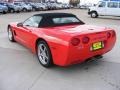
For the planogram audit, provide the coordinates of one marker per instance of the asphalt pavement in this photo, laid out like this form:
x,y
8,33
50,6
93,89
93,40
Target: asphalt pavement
x,y
20,69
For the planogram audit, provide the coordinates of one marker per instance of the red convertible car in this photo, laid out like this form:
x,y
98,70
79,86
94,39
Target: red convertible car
x,y
61,38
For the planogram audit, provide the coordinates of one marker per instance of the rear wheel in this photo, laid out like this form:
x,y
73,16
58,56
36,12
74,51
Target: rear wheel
x,y
94,15
24,10
18,11
12,11
10,35
44,54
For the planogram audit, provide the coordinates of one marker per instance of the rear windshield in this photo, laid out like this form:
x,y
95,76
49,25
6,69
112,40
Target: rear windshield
x,y
65,20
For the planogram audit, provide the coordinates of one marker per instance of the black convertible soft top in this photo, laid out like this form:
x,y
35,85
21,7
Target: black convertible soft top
x,y
48,22
47,15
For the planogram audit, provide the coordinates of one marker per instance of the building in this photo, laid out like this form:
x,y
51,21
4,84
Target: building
x,y
74,2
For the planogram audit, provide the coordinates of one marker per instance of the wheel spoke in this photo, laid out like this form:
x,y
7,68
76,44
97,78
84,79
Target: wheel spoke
x,y
42,48
46,57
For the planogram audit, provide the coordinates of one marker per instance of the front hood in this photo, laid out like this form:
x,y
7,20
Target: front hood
x,y
26,6
93,7
4,7
18,6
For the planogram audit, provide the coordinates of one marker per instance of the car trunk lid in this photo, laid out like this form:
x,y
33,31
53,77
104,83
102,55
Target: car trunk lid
x,y
83,29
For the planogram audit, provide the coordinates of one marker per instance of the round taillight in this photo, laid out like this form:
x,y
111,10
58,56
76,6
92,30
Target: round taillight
x,y
108,35
85,40
75,41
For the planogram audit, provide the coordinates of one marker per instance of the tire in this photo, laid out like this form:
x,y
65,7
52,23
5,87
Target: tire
x,y
10,35
41,9
4,12
12,10
33,9
24,10
18,11
94,15
44,54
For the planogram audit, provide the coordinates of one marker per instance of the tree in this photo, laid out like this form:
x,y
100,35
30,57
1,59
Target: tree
x,y
74,2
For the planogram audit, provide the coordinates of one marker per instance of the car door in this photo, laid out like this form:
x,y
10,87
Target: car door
x,y
113,8
1,9
101,8
26,32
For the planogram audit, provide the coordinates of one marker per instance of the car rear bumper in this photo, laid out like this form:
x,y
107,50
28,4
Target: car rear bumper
x,y
84,54
73,55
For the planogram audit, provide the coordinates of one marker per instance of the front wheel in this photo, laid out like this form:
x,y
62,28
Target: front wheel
x,y
34,9
44,54
10,35
94,15
4,12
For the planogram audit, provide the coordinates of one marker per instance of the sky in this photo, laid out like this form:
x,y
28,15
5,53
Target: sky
x,y
82,1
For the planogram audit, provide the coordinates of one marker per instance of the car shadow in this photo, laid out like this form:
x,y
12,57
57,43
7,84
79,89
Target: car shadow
x,y
90,65
107,18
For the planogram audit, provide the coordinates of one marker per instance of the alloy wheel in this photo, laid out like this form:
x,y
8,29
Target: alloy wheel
x,y
43,54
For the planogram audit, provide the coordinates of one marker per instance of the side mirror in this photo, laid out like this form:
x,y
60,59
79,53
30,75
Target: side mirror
x,y
19,25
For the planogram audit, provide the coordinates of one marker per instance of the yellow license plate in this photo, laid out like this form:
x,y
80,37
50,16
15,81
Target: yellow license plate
x,y
97,46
